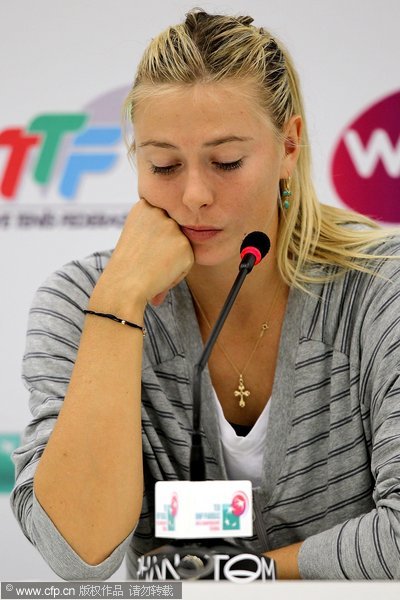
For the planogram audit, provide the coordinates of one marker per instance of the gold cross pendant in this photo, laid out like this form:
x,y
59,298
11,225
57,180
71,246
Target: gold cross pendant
x,y
242,392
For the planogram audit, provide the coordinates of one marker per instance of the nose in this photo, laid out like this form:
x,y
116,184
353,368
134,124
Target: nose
x,y
197,192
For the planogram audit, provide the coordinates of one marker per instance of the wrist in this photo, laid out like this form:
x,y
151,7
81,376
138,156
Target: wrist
x,y
116,319
114,299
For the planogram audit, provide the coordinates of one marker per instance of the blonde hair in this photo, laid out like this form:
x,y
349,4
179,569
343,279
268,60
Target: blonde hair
x,y
213,48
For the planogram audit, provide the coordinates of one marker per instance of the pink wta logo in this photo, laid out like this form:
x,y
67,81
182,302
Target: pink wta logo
x,y
239,504
174,504
365,167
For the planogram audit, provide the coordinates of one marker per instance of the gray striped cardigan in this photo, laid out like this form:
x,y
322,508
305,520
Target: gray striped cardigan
x,y
331,471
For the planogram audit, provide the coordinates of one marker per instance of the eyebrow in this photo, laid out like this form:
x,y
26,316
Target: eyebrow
x,y
212,143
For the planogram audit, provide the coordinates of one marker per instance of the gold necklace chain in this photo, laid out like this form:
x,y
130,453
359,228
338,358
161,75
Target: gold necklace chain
x,y
241,392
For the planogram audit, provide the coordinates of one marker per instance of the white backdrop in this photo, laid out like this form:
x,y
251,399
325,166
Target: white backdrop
x,y
65,57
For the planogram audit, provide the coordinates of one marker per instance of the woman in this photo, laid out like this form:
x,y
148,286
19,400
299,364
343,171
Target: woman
x,y
221,149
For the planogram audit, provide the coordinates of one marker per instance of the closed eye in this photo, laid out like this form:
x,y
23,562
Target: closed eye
x,y
230,166
163,170
169,169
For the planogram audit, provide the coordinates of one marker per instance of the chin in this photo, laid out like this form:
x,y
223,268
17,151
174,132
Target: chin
x,y
213,258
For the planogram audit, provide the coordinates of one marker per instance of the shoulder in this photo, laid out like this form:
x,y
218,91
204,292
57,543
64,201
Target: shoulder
x,y
85,269
382,280
386,252
58,303
340,310
76,279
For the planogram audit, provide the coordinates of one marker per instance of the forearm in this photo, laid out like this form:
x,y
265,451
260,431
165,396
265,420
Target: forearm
x,y
366,547
90,477
286,563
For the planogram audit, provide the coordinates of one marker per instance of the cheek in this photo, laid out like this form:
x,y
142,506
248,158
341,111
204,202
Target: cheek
x,y
157,193
256,202
266,185
257,192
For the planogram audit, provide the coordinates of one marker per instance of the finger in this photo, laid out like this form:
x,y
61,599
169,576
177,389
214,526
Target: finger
x,y
159,298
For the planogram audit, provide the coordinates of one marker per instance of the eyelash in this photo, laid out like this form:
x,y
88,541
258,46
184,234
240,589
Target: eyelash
x,y
223,166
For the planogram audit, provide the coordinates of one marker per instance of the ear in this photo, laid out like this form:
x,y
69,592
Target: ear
x,y
291,145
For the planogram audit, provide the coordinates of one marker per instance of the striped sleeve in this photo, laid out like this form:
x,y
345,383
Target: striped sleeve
x,y
368,547
54,329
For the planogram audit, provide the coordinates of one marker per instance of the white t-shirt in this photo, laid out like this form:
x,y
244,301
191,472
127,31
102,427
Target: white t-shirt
x,y
243,455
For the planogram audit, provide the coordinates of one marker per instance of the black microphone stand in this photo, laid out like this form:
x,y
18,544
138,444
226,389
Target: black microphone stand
x,y
197,464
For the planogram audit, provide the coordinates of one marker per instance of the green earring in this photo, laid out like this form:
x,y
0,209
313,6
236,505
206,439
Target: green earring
x,y
286,193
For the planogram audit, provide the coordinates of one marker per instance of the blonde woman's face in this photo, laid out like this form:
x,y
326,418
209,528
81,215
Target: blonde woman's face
x,y
207,157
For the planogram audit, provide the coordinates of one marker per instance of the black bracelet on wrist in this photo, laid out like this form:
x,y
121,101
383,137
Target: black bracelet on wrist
x,y
116,319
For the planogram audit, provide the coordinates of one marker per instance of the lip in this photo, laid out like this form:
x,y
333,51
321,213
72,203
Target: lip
x,y
200,234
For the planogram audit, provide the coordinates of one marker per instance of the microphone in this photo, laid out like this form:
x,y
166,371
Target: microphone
x,y
197,512
254,248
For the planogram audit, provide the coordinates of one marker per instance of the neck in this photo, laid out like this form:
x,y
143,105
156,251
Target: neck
x,y
210,287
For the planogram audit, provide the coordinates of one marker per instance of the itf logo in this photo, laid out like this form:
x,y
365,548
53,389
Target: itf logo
x,y
62,147
365,167
8,443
